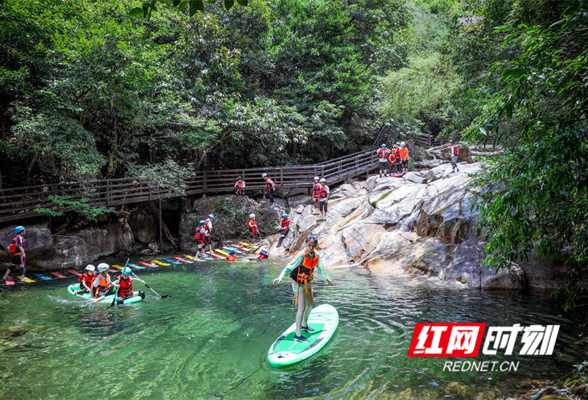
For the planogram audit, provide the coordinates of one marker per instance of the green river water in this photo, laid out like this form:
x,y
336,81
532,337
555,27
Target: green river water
x,y
217,327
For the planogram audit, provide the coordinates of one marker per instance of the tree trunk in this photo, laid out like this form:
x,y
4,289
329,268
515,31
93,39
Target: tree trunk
x,y
166,232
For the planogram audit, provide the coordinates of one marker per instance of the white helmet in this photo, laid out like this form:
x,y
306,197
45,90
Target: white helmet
x,y
90,267
251,215
264,175
403,144
103,267
323,180
316,178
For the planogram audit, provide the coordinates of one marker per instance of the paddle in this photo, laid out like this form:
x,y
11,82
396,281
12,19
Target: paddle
x,y
118,287
150,288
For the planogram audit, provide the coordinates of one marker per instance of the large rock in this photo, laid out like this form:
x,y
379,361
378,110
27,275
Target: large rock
x,y
144,226
298,200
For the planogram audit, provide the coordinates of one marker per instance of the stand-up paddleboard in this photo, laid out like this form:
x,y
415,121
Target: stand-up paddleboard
x,y
324,319
57,274
224,253
170,261
183,260
134,266
9,282
160,263
214,255
230,248
108,299
146,264
45,278
249,245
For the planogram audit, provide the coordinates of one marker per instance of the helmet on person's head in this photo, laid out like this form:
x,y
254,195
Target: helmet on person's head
x,y
211,216
127,271
397,143
264,251
323,180
90,267
316,178
403,144
19,229
451,141
103,267
383,145
202,222
284,215
264,175
251,215
311,237
239,178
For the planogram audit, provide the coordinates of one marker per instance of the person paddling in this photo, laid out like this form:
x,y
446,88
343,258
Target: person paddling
x,y
301,270
253,231
240,187
102,285
270,185
17,254
86,280
454,157
124,283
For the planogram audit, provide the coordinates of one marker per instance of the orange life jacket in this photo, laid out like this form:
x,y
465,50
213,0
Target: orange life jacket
x,y
403,153
103,282
240,184
303,274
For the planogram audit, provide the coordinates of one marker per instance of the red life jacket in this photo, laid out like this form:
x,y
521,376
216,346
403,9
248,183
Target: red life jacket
x,y
103,282
269,183
87,279
17,241
252,226
316,190
262,256
199,236
455,150
382,153
240,184
323,193
392,158
231,258
206,226
126,287
286,224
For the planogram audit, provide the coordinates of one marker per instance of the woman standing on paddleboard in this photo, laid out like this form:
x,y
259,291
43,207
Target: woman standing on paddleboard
x,y
301,270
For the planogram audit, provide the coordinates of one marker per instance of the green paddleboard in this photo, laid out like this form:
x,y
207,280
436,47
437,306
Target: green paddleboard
x,y
324,319
107,299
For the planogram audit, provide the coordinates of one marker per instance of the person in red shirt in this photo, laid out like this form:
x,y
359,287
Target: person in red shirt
x,y
284,228
253,231
86,280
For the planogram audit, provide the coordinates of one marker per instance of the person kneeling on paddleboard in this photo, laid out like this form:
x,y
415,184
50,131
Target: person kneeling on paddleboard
x,y
232,256
301,270
86,280
102,284
124,283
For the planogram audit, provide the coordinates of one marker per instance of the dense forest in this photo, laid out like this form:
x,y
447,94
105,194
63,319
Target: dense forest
x,y
94,89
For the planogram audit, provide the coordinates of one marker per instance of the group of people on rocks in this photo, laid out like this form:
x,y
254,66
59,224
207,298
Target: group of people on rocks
x,y
394,160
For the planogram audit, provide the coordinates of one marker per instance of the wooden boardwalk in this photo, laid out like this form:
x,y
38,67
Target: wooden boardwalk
x,y
23,202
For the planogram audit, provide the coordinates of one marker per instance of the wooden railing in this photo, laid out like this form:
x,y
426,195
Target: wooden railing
x,y
23,202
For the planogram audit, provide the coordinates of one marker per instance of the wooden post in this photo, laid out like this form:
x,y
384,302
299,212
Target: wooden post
x,y
204,181
160,223
340,167
282,178
107,193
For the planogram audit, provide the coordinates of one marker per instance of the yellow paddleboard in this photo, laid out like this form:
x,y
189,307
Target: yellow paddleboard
x,y
161,263
27,280
224,253
117,267
189,257
249,245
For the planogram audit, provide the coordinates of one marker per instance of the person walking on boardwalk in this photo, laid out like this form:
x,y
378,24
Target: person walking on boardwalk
x,y
404,156
324,198
316,195
240,187
253,231
271,187
383,159
17,253
454,157
301,270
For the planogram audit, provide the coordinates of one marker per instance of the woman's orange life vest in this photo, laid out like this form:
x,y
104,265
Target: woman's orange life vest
x,y
252,226
403,153
87,279
240,184
316,190
125,288
103,282
303,274
382,153
17,241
